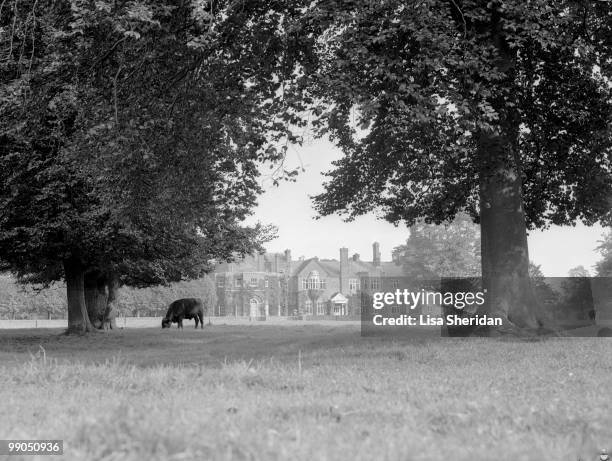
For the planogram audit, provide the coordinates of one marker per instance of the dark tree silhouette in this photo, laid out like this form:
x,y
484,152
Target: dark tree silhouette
x,y
499,109
130,138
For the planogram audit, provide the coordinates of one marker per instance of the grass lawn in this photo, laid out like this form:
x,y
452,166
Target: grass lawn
x,y
261,392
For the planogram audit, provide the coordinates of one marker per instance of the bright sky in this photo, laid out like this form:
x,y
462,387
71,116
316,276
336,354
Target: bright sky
x,y
288,206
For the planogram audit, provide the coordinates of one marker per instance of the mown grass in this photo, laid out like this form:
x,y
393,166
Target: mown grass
x,y
307,392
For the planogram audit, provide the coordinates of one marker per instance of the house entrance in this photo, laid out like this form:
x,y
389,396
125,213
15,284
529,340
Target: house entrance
x,y
255,308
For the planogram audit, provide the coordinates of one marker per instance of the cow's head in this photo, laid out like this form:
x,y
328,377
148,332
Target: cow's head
x,y
166,323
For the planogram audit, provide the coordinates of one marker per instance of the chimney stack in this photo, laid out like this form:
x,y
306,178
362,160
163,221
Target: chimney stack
x,y
261,262
376,254
288,262
356,257
344,270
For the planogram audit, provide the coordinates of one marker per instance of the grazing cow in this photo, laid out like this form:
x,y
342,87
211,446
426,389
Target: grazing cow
x,y
186,308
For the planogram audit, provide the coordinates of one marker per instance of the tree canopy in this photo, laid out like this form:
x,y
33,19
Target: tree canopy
x,y
131,133
500,109
414,84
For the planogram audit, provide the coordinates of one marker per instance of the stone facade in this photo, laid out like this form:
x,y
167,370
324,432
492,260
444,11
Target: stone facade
x,y
272,284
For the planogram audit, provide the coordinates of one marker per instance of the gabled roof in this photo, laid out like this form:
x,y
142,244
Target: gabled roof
x,y
338,298
299,266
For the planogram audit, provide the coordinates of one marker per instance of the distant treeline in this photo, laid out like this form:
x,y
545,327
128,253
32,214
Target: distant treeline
x,y
26,302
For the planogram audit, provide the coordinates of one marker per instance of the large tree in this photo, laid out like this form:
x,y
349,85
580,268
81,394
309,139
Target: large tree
x,y
130,138
433,251
501,109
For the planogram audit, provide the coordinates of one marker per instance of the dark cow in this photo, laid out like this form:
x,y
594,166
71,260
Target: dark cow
x,y
186,308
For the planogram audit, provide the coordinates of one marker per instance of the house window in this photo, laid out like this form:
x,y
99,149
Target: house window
x,y
395,309
353,284
266,283
238,283
375,284
323,284
308,307
314,282
304,284
395,284
253,282
320,308
220,282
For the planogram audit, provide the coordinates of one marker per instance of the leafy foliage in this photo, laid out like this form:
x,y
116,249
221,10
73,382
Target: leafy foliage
x,y
23,301
499,109
434,251
603,267
154,301
578,271
415,86
535,272
131,132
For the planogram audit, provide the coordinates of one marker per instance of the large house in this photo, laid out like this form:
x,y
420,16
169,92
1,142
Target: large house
x,y
272,284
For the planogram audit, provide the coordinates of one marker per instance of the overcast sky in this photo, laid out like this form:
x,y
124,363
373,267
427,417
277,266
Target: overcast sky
x,y
288,206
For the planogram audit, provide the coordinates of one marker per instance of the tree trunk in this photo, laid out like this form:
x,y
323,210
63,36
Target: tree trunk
x,y
504,252
505,256
101,298
110,313
96,297
78,319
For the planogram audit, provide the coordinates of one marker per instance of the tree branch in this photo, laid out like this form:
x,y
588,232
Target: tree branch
x,y
115,95
462,18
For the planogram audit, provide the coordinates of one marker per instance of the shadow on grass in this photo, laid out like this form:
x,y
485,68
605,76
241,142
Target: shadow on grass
x,y
153,346
217,344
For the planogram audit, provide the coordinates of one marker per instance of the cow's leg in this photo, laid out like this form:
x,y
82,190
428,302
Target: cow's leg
x,y
202,321
180,323
196,320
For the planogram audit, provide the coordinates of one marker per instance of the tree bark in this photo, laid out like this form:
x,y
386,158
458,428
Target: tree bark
x,y
110,313
101,291
78,319
96,297
505,256
504,251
